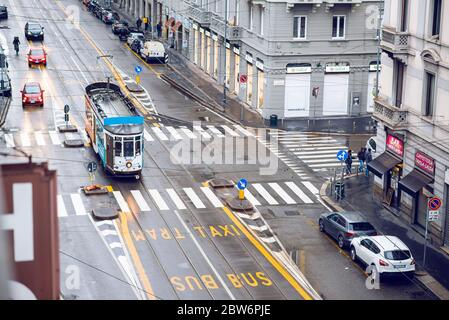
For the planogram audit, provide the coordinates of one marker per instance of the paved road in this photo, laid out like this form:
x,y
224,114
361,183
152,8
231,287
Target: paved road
x,y
174,238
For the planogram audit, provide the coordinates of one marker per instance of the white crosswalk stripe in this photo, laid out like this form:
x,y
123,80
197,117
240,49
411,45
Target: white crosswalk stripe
x,y
121,201
54,138
62,212
162,205
230,131
159,133
194,198
39,138
284,195
188,133
25,140
311,187
78,204
147,135
176,199
215,131
265,194
298,192
212,197
9,138
140,200
203,132
251,198
244,131
174,134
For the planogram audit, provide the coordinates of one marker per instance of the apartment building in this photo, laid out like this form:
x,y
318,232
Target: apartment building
x,y
272,54
412,112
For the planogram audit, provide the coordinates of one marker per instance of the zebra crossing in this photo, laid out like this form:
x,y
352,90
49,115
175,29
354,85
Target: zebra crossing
x,y
38,138
317,152
197,197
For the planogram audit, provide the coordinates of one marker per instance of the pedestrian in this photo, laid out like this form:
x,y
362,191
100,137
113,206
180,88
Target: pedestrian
x,y
362,158
369,158
159,29
146,22
139,23
348,162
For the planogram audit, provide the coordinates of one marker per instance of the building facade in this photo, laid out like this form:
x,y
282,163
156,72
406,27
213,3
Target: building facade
x,y
412,113
271,54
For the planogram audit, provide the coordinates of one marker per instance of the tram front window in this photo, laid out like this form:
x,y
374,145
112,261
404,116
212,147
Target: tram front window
x,y
128,147
118,147
138,146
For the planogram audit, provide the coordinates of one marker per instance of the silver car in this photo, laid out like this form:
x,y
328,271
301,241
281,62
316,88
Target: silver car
x,y
345,226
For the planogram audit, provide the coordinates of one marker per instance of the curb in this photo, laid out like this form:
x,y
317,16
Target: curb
x,y
427,282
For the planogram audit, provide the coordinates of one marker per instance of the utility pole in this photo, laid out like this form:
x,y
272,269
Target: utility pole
x,y
379,26
224,43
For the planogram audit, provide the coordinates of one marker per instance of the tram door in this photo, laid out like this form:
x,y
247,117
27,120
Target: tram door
x,y
109,151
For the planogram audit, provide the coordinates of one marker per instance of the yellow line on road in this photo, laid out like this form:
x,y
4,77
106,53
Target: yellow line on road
x,y
124,230
274,262
149,66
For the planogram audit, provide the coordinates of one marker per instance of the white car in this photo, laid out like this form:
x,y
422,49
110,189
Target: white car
x,y
133,36
387,254
153,51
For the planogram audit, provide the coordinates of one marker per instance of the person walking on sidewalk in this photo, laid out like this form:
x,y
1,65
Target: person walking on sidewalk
x,y
146,22
362,158
139,23
159,29
348,162
369,158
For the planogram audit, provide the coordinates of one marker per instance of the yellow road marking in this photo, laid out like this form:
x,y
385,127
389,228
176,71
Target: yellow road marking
x,y
124,230
149,66
274,262
109,188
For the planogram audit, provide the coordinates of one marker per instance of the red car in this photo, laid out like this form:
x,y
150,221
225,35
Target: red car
x,y
32,94
37,56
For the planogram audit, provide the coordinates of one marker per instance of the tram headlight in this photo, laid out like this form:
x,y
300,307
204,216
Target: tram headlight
x,y
129,164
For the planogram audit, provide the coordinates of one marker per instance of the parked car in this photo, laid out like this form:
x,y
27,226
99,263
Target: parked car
x,y
123,35
32,94
345,226
153,51
5,83
97,11
387,254
3,12
135,36
137,46
107,16
37,56
34,31
86,2
92,5
371,144
118,26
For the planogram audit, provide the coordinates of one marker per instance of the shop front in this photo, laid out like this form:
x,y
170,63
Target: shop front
x,y
418,184
336,88
236,51
387,168
260,84
249,74
297,90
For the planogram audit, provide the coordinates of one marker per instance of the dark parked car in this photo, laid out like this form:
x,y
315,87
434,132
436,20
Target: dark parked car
x,y
344,226
136,45
3,12
5,83
118,26
98,11
92,5
123,35
34,31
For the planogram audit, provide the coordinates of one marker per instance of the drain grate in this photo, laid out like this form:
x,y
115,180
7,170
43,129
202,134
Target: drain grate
x,y
292,213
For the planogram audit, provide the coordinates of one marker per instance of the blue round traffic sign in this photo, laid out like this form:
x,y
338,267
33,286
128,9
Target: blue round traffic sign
x,y
138,69
342,155
242,184
434,203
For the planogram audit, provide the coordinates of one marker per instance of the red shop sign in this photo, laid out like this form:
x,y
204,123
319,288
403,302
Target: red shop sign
x,y
425,163
395,145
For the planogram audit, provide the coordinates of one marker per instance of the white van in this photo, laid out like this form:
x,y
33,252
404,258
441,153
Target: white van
x,y
154,51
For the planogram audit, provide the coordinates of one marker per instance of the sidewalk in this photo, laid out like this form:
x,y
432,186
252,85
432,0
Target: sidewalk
x,y
359,197
193,79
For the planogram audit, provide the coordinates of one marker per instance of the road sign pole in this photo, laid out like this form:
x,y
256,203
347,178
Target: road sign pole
x,y
425,236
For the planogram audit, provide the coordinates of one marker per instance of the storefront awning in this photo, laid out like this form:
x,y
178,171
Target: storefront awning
x,y
414,182
177,25
169,22
383,163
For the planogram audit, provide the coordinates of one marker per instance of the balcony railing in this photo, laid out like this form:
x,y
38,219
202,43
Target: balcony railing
x,y
394,41
394,117
232,32
199,14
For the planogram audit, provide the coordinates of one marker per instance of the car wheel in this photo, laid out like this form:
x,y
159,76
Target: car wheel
x,y
321,224
353,254
341,242
45,65
29,65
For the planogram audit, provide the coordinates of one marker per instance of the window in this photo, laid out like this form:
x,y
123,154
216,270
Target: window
x,y
338,27
398,82
251,17
118,146
436,17
237,15
361,226
404,15
397,255
429,93
261,20
300,27
138,146
341,221
128,148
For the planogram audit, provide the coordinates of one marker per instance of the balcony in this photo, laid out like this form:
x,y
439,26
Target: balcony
x,y
233,33
395,42
199,14
393,117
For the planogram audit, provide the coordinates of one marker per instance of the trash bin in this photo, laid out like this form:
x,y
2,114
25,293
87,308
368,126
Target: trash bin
x,y
339,190
273,121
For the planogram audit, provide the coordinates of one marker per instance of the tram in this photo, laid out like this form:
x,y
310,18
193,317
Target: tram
x,y
116,137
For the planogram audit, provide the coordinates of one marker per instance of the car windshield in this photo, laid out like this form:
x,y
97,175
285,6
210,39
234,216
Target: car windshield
x,y
32,89
397,255
37,52
34,27
361,226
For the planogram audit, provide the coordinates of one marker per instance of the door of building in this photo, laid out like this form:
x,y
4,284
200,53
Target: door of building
x,y
297,95
260,88
335,99
236,73
369,94
421,210
249,84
